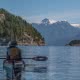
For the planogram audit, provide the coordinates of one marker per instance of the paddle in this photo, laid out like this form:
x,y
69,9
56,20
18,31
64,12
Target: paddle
x,y
37,58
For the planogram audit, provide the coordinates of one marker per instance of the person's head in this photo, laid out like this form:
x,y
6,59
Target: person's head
x,y
13,43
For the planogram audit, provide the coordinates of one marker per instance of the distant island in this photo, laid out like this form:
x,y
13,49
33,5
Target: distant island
x,y
13,27
74,43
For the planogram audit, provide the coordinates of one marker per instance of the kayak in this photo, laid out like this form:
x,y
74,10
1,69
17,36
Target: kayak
x,y
13,71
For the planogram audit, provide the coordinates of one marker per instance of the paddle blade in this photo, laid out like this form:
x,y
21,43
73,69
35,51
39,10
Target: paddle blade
x,y
40,58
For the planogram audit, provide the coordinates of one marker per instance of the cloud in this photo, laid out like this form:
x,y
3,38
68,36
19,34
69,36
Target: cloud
x,y
54,16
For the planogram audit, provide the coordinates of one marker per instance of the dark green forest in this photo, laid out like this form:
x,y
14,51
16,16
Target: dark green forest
x,y
74,42
13,27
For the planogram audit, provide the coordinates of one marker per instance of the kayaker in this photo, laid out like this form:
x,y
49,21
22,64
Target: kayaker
x,y
14,63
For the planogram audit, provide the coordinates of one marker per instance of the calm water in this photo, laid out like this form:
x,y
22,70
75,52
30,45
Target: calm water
x,y
63,63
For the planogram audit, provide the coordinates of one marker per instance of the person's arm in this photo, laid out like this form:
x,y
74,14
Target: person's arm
x,y
4,64
23,63
7,56
20,54
7,52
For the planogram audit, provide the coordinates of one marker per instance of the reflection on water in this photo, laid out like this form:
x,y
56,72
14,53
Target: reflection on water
x,y
63,63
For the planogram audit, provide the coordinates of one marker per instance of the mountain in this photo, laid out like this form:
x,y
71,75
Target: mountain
x,y
58,33
13,27
45,21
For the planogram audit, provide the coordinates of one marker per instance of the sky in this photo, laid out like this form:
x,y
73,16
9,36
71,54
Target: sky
x,y
36,10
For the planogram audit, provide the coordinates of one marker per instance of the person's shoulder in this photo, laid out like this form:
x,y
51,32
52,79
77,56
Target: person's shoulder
x,y
16,47
12,47
9,47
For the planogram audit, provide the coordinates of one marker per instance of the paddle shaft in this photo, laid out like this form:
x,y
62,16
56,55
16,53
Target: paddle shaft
x,y
37,58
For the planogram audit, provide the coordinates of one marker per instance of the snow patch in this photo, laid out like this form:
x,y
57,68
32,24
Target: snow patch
x,y
76,25
52,21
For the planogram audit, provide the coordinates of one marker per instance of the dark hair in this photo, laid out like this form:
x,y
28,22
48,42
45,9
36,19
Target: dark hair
x,y
12,43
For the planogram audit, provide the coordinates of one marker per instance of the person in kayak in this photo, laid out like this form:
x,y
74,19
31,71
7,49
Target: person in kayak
x,y
14,63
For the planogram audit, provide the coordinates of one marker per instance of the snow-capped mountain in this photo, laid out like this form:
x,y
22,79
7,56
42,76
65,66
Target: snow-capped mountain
x,y
58,33
47,21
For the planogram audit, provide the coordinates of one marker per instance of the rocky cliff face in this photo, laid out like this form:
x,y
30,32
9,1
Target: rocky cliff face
x,y
13,27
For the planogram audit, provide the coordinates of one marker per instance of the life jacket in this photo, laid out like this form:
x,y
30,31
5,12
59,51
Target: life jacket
x,y
14,53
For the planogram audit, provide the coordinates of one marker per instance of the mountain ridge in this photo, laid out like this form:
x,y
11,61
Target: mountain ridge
x,y
58,33
13,27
